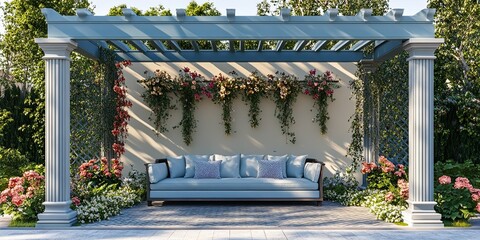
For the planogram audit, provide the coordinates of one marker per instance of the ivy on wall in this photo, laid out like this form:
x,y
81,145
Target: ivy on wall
x,y
190,87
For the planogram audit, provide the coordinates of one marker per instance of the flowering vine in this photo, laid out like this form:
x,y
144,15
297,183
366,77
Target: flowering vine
x,y
190,89
224,92
284,91
122,117
254,89
158,98
321,88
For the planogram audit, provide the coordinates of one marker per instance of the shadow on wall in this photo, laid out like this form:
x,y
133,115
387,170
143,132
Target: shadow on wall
x,y
143,145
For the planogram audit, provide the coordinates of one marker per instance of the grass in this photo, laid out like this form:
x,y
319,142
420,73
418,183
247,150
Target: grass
x,y
21,223
401,224
462,224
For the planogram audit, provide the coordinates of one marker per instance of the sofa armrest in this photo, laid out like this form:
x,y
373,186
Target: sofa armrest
x,y
320,177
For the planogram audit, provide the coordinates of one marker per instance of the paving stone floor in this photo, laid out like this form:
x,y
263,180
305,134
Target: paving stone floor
x,y
195,215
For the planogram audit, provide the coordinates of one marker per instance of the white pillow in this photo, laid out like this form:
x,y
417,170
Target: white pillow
x,y
230,167
312,171
157,172
296,165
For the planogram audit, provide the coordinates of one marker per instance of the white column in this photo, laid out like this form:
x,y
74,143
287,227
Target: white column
x,y
420,212
57,133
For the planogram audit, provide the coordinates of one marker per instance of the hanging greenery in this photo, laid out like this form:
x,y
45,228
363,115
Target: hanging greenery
x,y
158,97
190,90
224,91
321,88
254,89
284,91
190,87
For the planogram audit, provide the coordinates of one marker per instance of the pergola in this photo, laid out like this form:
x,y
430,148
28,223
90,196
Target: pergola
x,y
327,38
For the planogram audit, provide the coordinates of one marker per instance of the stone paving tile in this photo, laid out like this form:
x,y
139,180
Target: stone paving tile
x,y
23,234
187,215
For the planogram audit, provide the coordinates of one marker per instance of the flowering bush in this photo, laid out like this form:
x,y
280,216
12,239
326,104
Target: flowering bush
x,y
158,97
385,176
98,172
105,203
456,201
320,87
24,196
224,91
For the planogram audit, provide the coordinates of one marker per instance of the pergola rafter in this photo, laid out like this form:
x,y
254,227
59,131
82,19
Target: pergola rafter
x,y
326,38
393,29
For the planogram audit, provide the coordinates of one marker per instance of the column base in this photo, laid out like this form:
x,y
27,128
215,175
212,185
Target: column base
x,y
56,214
422,214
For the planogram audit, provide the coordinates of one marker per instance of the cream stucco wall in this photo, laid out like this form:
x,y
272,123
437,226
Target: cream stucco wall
x,y
143,145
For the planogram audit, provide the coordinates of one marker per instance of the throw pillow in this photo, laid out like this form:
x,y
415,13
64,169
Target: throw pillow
x,y
270,169
295,166
190,164
230,167
312,171
283,158
207,169
157,172
249,165
176,166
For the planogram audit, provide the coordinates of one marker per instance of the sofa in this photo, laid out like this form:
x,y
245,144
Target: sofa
x,y
236,177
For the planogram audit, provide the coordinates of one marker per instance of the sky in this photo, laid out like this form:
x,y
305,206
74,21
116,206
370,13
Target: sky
x,y
242,7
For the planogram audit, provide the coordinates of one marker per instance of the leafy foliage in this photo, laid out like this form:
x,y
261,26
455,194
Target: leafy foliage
x,y
457,80
254,90
23,22
224,92
157,95
284,91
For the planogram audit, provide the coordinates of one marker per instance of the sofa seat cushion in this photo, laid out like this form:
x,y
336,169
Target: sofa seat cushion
x,y
235,184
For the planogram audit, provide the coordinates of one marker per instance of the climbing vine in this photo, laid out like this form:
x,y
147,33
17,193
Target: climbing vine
x,y
122,117
224,91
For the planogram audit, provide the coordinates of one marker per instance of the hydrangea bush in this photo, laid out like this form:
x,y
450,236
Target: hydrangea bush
x,y
23,196
456,201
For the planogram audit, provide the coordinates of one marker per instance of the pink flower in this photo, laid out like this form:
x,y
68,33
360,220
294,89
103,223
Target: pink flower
x,y
17,200
478,207
476,197
313,72
389,197
315,84
76,201
461,182
404,190
368,167
329,92
186,69
444,180
307,92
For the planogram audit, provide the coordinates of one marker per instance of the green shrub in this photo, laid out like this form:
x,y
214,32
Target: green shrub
x,y
11,162
467,169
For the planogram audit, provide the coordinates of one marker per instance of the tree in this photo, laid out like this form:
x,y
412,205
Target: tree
x,y
22,58
457,80
318,7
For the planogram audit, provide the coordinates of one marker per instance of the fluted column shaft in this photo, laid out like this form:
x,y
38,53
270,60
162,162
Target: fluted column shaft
x,y
420,138
57,133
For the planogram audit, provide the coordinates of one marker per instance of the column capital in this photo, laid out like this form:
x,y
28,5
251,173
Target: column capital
x,y
56,48
422,48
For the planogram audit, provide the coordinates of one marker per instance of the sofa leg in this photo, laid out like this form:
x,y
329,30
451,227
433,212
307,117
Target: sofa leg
x,y
149,203
319,203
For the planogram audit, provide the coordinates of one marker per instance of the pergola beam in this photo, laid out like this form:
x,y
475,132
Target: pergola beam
x,y
334,27
245,56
